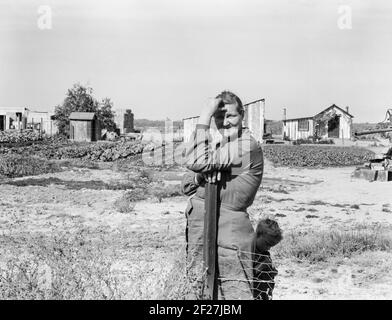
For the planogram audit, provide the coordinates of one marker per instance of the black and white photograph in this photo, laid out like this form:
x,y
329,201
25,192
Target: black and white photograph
x,y
220,150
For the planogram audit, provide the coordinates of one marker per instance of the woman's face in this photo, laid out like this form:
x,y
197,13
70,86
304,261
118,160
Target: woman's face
x,y
228,120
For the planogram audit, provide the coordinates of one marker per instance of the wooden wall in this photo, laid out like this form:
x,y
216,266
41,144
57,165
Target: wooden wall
x,y
290,127
345,125
81,130
254,119
290,130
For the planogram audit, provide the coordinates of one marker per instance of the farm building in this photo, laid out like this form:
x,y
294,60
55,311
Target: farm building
x,y
332,122
253,120
11,118
84,126
24,118
124,120
189,126
42,121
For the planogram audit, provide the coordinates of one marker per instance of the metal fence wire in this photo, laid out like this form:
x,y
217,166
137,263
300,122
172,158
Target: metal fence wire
x,y
255,280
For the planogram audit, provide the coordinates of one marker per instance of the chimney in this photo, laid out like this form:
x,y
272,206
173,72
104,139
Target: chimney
x,y
347,109
284,113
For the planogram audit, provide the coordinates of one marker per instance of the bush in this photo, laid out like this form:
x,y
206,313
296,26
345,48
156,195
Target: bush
x,y
311,140
125,204
13,166
316,156
19,136
94,151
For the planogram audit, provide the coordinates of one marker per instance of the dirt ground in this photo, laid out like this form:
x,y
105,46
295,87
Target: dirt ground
x,y
324,199
151,237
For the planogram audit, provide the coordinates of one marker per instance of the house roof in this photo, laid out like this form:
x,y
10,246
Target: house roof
x,y
325,110
190,118
295,119
335,106
82,116
246,104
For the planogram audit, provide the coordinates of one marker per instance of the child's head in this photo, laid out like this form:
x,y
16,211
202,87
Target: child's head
x,y
268,234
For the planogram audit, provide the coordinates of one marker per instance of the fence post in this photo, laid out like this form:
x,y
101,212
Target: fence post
x,y
210,241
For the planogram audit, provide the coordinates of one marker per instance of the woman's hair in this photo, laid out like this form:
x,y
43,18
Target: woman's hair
x,y
230,98
269,232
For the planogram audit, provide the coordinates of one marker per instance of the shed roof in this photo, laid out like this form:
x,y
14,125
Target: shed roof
x,y
190,118
296,119
252,102
325,110
335,106
82,116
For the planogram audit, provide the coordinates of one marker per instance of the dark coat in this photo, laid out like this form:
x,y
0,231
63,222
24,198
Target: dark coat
x,y
241,164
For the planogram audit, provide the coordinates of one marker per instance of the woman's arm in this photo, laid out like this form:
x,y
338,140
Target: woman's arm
x,y
201,156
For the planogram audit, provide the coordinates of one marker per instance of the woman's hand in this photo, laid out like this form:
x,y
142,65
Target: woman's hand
x,y
210,109
212,177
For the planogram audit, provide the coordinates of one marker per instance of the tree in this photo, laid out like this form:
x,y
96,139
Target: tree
x,y
106,114
80,99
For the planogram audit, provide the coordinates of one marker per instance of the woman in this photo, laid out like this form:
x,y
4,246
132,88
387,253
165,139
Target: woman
x,y
236,159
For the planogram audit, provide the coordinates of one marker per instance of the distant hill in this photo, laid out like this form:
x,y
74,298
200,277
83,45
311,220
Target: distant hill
x,y
357,127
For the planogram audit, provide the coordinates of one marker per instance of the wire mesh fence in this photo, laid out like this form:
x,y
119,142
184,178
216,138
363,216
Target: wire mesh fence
x,y
254,280
241,275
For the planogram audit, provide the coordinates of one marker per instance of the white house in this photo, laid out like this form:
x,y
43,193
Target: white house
x,y
24,118
332,122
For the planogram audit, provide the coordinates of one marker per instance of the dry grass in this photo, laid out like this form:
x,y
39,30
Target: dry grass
x,y
12,165
161,191
316,246
64,267
182,283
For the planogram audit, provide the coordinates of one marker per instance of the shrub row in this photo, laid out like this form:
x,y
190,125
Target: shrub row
x,y
17,136
13,165
100,151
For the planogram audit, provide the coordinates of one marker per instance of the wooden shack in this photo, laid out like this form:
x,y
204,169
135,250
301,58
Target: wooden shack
x,y
84,126
333,122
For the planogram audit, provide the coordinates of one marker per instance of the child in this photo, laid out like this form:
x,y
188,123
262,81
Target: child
x,y
267,235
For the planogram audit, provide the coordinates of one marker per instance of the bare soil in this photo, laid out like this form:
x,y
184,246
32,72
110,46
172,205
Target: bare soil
x,y
149,239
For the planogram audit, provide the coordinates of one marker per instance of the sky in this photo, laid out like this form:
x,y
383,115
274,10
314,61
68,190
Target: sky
x,y
165,58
